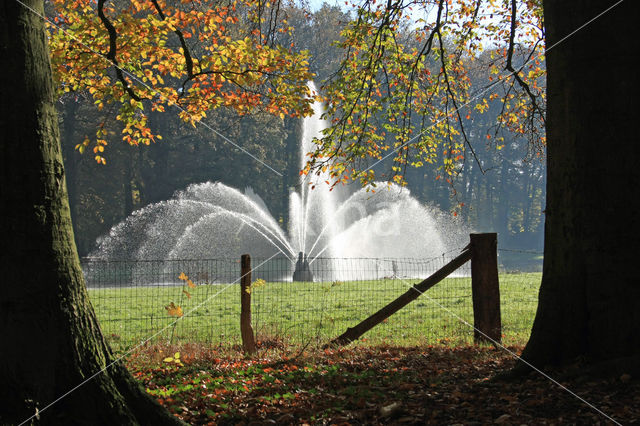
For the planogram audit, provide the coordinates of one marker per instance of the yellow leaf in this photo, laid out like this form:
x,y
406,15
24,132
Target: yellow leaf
x,y
183,276
191,284
174,310
174,359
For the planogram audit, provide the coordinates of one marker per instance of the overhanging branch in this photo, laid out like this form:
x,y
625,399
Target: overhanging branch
x,y
113,48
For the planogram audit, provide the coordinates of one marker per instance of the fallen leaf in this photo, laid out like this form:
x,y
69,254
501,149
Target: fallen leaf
x,y
502,419
389,410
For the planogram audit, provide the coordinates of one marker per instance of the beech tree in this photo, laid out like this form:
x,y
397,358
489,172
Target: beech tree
x,y
142,56
55,366
404,89
417,90
52,341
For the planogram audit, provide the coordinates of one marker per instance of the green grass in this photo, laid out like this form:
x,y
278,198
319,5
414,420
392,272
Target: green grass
x,y
299,313
520,260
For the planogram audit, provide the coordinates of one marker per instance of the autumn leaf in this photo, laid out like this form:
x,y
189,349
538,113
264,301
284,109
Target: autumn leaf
x,y
174,310
146,51
175,359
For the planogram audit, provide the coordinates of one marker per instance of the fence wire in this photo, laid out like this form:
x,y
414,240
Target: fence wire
x,y
137,299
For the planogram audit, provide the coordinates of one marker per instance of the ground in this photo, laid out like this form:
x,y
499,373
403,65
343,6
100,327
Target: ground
x,y
375,385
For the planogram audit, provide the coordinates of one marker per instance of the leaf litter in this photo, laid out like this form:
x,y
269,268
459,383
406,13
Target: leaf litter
x,y
374,385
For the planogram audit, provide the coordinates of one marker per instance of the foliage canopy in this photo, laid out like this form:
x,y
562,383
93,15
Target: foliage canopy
x,y
404,88
196,55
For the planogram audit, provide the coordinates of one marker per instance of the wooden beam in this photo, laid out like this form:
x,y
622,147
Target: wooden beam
x,y
410,295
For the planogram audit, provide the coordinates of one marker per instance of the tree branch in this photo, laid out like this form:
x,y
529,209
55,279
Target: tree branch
x,y
183,43
455,104
509,64
111,55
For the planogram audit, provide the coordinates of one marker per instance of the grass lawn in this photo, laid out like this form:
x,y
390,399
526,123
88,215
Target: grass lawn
x,y
302,313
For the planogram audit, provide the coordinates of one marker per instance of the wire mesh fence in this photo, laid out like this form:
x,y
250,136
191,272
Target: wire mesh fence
x,y
199,300
520,276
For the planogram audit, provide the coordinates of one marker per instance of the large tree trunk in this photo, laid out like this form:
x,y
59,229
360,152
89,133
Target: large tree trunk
x,y
51,341
590,294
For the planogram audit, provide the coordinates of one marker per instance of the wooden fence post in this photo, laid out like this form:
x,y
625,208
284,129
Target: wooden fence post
x,y
246,331
485,288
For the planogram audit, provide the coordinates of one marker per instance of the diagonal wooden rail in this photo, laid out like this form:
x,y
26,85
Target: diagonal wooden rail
x,y
353,333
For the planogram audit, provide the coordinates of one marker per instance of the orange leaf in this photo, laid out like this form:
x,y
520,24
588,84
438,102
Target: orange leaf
x,y
174,310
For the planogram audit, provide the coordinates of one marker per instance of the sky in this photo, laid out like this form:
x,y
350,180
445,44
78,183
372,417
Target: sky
x,y
314,5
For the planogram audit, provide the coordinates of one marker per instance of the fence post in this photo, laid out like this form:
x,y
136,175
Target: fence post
x,y
246,331
485,288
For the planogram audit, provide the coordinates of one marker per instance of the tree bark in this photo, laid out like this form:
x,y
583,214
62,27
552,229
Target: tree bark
x,y
588,303
51,338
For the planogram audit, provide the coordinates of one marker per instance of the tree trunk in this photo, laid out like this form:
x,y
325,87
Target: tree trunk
x,y
505,195
588,303
528,196
127,187
156,167
51,338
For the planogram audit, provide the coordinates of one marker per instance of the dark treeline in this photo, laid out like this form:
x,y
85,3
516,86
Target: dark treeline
x,y
506,196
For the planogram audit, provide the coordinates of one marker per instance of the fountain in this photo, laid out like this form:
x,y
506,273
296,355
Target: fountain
x,y
212,220
302,272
